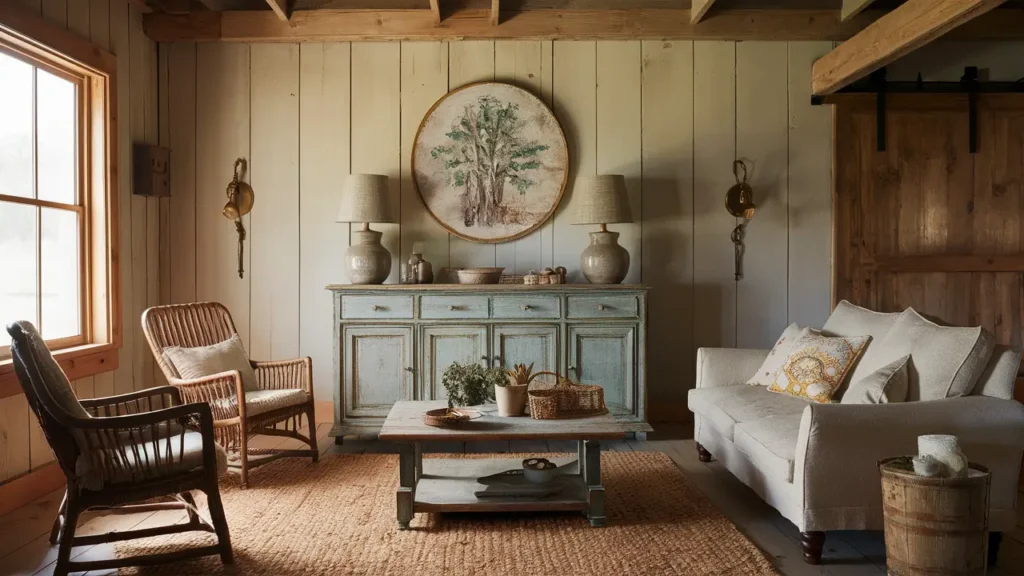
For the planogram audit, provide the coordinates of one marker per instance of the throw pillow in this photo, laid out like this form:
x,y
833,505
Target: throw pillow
x,y
817,366
765,375
887,384
851,320
214,359
946,361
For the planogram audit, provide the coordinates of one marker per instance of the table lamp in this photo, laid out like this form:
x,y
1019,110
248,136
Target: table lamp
x,y
365,198
602,200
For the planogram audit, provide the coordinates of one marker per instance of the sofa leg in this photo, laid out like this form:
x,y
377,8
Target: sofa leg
x,y
702,454
995,539
812,543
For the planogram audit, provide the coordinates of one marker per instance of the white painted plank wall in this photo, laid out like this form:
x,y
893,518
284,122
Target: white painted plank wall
x,y
112,25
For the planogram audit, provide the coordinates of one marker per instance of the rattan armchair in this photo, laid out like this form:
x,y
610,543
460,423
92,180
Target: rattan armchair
x,y
122,449
207,323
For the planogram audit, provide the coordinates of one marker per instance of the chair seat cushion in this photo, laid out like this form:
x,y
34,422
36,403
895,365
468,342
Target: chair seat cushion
x,y
726,406
263,401
770,443
146,456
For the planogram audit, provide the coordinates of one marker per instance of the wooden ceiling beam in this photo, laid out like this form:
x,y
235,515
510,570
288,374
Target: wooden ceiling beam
x,y
853,7
698,8
495,12
655,24
435,10
910,26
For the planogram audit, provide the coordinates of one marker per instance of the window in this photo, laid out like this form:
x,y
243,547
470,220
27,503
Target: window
x,y
58,196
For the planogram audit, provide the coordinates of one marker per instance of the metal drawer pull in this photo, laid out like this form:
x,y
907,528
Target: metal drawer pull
x,y
375,308
601,307
526,307
410,369
454,307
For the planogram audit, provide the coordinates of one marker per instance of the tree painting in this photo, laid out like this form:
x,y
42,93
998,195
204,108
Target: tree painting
x,y
486,150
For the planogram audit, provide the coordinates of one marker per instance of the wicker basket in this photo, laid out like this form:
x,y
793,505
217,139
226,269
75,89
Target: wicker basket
x,y
443,418
566,400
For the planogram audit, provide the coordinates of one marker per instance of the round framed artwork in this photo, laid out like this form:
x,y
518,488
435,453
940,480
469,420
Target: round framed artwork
x,y
490,162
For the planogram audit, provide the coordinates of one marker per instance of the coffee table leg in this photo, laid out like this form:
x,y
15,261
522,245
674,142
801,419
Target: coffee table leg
x,y
581,459
592,478
407,484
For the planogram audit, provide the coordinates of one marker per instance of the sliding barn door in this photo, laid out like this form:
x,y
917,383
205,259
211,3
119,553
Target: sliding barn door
x,y
926,223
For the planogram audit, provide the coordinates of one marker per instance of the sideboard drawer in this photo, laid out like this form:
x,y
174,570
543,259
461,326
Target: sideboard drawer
x,y
527,307
439,307
603,307
380,307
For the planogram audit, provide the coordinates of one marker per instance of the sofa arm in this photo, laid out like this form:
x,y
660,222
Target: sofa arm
x,y
839,446
727,366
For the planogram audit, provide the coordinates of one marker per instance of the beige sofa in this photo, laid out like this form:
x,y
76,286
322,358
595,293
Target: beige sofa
x,y
817,463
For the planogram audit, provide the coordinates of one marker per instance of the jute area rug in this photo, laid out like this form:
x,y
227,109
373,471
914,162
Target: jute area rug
x,y
338,517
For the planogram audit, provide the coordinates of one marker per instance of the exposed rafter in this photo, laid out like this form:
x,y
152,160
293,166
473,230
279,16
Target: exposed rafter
x,y
908,27
495,12
280,7
435,9
699,8
853,7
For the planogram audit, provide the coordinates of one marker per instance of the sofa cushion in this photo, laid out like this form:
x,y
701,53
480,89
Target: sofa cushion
x,y
727,406
770,443
887,384
1000,375
765,375
851,320
945,362
817,366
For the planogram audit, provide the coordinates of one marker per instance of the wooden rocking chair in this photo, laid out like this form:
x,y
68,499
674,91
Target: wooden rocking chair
x,y
237,414
119,450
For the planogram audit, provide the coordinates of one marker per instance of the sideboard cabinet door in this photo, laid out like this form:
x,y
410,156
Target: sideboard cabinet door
x,y
443,345
606,356
378,368
533,344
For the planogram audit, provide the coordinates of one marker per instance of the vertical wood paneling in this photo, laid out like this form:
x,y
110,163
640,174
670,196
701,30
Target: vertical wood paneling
x,y
78,17
324,154
575,97
222,135
546,233
762,142
14,433
376,127
275,224
151,373
124,380
618,135
424,80
164,123
182,111
714,136
667,212
470,62
810,189
56,11
137,81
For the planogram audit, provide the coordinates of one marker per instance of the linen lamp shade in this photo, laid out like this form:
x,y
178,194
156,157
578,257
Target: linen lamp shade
x,y
365,198
601,200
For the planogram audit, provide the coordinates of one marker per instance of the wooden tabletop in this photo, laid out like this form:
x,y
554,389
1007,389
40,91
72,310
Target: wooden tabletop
x,y
405,424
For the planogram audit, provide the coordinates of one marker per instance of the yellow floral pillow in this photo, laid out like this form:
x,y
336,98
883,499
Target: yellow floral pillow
x,y
817,365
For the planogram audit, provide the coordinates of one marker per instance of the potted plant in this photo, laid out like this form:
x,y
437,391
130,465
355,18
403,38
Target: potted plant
x,y
511,393
470,384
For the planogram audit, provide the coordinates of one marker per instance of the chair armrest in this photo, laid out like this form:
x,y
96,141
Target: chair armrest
x,y
839,446
727,366
280,374
222,391
132,402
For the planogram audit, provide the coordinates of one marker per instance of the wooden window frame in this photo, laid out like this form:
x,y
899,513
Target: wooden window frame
x,y
94,70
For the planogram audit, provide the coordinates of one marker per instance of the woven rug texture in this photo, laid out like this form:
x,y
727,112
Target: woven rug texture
x,y
338,517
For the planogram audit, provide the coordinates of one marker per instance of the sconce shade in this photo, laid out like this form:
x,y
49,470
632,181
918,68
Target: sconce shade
x,y
601,200
365,198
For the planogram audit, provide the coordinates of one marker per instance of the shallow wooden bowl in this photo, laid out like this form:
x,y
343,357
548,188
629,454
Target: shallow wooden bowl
x,y
442,418
480,275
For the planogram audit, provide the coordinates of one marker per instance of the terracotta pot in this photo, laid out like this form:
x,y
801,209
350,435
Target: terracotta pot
x,y
511,400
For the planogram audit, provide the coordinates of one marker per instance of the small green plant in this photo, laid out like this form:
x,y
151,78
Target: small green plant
x,y
471,384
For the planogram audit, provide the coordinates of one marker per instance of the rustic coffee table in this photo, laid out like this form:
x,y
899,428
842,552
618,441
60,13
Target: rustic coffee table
x,y
450,484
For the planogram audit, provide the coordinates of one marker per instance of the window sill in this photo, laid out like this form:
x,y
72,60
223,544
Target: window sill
x,y
77,362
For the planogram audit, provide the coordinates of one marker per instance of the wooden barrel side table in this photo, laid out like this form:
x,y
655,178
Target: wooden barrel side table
x,y
934,526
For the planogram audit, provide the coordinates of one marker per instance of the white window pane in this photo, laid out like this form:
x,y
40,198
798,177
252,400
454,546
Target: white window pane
x,y
55,125
18,255
60,276
15,127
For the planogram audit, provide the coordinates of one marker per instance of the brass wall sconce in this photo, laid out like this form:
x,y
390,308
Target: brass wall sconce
x,y
240,201
739,201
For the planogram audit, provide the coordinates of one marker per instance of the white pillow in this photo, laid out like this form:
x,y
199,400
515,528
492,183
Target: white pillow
x,y
945,362
765,375
887,384
214,359
850,320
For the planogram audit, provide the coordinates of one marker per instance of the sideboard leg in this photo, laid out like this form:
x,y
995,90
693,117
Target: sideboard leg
x,y
995,539
595,491
702,454
640,436
406,494
339,440
812,543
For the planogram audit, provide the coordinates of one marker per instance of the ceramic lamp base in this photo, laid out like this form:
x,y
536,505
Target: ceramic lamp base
x,y
604,261
369,262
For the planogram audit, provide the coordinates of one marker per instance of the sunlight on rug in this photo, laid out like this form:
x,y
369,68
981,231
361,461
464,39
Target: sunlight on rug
x,y
338,517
